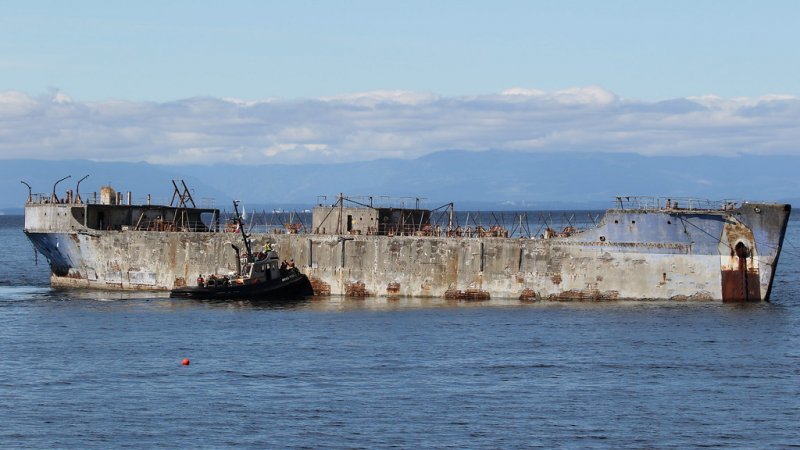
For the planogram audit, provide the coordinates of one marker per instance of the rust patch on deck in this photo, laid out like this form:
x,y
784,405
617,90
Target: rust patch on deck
x,y
527,295
467,294
357,289
319,287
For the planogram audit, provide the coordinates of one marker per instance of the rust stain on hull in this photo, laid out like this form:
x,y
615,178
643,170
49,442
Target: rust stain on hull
x,y
585,294
357,289
319,287
739,269
740,285
393,288
468,294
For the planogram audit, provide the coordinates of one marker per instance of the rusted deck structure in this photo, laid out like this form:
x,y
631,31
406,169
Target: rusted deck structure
x,y
652,249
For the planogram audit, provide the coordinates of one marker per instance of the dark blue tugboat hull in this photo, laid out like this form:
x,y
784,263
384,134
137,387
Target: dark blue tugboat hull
x,y
292,286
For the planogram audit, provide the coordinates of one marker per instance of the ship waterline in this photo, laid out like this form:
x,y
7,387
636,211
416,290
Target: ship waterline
x,y
724,254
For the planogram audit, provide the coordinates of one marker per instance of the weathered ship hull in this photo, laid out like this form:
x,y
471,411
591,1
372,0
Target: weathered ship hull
x,y
670,254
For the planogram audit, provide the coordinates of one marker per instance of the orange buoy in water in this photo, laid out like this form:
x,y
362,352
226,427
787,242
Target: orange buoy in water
x,y
185,361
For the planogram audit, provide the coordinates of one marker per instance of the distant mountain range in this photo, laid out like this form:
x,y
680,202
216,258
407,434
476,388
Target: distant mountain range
x,y
473,180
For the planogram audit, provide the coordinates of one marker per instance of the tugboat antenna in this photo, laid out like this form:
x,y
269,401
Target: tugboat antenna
x,y
238,219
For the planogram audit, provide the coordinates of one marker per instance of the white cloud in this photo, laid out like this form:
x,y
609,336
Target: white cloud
x,y
391,124
61,98
15,104
375,98
278,149
572,96
524,92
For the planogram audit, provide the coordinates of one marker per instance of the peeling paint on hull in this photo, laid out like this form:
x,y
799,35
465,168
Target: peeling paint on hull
x,y
670,255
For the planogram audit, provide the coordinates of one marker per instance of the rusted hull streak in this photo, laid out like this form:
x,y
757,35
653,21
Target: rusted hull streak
x,y
739,263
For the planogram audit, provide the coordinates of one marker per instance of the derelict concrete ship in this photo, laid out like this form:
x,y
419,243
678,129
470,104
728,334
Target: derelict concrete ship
x,y
640,249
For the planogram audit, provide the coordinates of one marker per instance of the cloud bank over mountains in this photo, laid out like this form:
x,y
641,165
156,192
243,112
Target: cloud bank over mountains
x,y
391,124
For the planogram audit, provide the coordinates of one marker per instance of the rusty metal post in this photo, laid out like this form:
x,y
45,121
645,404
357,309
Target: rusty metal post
x,y
78,190
30,191
54,197
451,217
339,222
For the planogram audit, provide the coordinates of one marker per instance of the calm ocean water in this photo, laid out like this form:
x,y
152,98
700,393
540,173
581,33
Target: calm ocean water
x,y
103,370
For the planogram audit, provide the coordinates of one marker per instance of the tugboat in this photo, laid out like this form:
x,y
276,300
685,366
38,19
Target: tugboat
x,y
258,277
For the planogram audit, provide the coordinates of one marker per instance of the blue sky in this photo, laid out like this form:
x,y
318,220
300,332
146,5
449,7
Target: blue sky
x,y
168,50
350,80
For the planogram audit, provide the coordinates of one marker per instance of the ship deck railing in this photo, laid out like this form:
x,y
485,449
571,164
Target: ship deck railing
x,y
506,224
465,224
92,198
645,203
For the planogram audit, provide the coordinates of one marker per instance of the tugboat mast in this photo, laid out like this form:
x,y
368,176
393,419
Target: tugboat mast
x,y
245,237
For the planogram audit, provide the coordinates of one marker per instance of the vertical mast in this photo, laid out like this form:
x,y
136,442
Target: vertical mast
x,y
238,220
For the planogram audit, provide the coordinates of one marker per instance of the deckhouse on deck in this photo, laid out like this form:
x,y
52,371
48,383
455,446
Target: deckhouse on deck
x,y
359,218
109,211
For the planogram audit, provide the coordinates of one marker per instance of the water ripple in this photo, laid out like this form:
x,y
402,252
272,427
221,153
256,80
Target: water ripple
x,y
99,370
